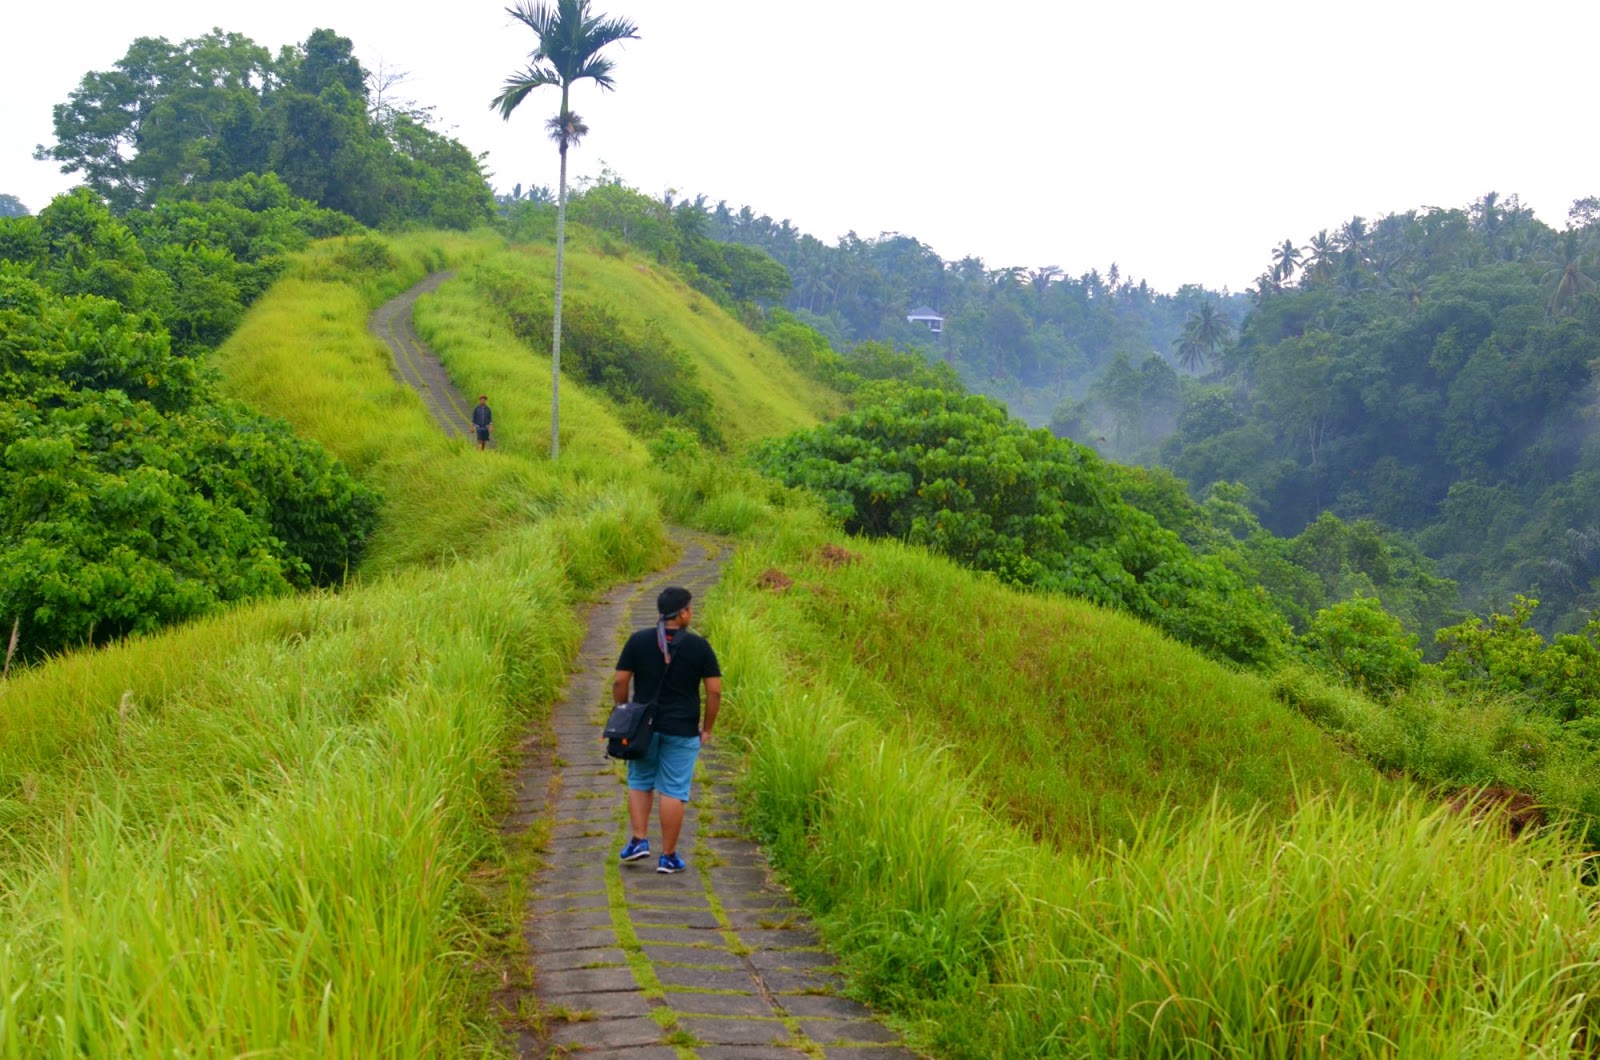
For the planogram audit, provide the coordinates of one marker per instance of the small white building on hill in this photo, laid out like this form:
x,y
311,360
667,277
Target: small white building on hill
x,y
928,317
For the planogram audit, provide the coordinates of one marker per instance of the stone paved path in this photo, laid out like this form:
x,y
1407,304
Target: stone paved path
x,y
713,962
716,962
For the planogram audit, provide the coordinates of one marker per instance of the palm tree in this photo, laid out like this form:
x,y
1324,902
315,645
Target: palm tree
x,y
570,41
1568,279
1191,357
1285,260
1410,285
1041,278
1323,251
1204,332
1211,328
1353,237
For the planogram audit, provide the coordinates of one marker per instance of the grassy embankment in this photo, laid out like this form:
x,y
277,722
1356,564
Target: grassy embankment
x,y
1038,829
254,833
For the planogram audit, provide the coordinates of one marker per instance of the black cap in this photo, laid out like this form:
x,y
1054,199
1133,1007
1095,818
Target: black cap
x,y
673,598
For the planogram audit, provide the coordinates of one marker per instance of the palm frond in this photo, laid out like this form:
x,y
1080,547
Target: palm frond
x,y
538,17
599,68
517,87
599,34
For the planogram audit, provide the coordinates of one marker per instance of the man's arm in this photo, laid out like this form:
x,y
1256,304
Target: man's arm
x,y
619,686
713,704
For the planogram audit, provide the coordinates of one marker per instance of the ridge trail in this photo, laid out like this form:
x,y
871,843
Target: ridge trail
x,y
716,962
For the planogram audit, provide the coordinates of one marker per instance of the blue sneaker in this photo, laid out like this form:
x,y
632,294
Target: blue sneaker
x,y
670,863
636,849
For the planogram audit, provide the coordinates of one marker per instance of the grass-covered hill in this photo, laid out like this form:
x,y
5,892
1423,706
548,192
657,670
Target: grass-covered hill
x,y
1028,825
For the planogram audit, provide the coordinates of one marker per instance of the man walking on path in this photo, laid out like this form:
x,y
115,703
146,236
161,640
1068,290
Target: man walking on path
x,y
483,419
669,658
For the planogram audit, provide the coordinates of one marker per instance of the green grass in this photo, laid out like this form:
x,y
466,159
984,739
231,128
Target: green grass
x,y
1455,742
1288,903
1074,722
254,833
756,392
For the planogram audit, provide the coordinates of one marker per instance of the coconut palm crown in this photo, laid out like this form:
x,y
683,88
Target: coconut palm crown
x,y
570,39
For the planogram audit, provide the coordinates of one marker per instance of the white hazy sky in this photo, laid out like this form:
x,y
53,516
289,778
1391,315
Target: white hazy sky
x,y
1182,140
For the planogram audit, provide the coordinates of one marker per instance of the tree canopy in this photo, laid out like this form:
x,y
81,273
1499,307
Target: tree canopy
x,y
168,120
957,474
1434,371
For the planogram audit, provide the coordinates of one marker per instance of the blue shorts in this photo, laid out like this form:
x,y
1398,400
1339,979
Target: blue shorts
x,y
667,767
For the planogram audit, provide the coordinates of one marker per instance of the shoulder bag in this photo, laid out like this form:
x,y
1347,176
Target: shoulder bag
x,y
631,725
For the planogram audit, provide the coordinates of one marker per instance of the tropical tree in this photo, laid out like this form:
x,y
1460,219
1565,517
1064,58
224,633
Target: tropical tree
x,y
1569,278
1323,250
1208,328
570,40
1285,260
1191,356
1204,331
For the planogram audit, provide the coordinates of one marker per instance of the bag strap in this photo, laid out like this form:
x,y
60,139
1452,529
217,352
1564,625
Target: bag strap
x,y
661,642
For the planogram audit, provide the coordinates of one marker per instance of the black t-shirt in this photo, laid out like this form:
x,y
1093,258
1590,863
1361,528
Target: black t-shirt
x,y
678,709
481,416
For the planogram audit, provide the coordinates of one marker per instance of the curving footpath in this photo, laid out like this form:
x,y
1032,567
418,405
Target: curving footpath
x,y
416,366
715,962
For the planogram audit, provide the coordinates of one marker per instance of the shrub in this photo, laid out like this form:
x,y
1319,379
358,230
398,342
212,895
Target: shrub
x,y
1365,645
956,474
131,496
1503,653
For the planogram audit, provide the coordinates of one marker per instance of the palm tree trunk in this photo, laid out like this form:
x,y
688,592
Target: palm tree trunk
x,y
555,330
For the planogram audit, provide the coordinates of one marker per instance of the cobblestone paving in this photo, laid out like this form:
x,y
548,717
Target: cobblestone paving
x,y
716,962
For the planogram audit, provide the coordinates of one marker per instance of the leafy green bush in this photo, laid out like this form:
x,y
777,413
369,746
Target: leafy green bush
x,y
1503,653
131,496
1364,644
956,474
195,263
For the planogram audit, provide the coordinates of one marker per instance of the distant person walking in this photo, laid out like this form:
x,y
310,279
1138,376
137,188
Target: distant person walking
x,y
483,420
667,656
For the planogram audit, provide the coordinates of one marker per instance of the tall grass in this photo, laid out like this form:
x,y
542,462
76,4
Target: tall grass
x,y
756,392
1319,922
252,835
1031,827
1074,722
1454,741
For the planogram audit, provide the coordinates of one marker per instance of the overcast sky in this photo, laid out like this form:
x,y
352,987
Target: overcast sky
x,y
1181,140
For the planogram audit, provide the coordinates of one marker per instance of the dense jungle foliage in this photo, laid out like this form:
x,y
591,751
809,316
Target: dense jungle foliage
x,y
131,493
169,120
1435,371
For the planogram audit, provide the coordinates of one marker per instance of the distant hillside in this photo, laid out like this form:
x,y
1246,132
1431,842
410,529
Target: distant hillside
x,y
1437,370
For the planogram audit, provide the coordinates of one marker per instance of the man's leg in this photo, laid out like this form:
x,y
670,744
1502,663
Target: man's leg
x,y
639,812
671,823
